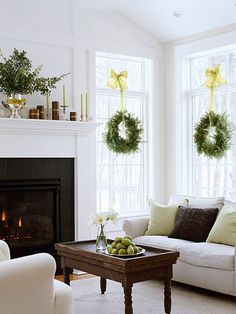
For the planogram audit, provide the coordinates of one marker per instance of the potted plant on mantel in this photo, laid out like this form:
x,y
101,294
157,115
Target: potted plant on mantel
x,y
17,78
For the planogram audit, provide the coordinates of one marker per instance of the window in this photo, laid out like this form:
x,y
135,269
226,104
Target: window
x,y
122,180
209,177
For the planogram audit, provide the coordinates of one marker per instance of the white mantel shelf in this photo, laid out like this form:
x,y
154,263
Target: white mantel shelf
x,y
56,127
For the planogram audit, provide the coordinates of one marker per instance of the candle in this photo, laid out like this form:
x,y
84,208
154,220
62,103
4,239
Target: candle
x,y
81,107
86,106
47,104
64,96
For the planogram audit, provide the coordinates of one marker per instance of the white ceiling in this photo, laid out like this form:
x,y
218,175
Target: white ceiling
x,y
156,16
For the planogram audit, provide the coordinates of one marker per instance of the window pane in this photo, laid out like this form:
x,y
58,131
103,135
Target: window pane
x,y
135,77
213,177
120,177
101,72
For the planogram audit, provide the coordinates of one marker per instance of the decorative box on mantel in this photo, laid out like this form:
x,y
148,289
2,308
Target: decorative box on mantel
x,y
26,138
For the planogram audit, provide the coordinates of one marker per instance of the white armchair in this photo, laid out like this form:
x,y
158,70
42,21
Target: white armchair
x,y
27,285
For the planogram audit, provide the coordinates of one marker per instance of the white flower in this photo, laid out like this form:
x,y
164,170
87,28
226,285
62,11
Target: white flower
x,y
112,215
103,218
97,219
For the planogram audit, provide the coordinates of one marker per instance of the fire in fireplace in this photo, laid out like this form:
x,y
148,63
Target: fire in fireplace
x,y
30,213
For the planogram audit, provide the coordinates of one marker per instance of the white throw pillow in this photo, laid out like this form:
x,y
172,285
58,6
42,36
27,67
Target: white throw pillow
x,y
200,202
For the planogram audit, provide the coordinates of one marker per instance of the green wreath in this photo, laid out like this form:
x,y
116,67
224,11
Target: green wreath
x,y
212,134
129,141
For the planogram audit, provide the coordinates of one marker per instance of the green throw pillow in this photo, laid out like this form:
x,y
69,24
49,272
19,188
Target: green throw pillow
x,y
224,228
162,218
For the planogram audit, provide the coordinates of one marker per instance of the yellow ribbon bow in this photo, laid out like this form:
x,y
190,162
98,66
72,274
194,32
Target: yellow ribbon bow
x,y
118,81
213,79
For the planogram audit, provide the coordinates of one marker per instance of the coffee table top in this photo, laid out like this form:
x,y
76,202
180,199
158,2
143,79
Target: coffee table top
x,y
87,249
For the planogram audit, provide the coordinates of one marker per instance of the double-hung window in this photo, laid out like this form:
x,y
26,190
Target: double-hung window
x,y
122,180
204,176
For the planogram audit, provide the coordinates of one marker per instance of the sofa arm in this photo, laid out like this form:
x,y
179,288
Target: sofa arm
x,y
26,285
135,227
4,249
64,299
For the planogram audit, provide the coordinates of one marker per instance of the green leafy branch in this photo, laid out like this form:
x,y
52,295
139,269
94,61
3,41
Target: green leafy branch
x,y
17,76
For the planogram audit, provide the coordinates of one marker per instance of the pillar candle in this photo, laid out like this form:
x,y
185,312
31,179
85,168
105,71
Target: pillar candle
x,y
81,106
47,103
86,105
64,95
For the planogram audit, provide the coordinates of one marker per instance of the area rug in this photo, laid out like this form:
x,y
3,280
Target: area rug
x,y
148,298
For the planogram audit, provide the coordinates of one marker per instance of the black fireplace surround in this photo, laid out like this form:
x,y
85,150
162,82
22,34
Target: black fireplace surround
x,y
36,204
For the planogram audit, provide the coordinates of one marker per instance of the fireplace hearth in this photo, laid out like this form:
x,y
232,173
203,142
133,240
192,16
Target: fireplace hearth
x,y
36,203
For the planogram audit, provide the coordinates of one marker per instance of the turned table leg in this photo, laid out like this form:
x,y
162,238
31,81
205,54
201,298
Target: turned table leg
x,y
167,294
128,299
103,285
66,273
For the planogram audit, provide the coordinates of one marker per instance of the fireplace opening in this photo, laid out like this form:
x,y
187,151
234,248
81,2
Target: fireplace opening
x,y
37,204
30,214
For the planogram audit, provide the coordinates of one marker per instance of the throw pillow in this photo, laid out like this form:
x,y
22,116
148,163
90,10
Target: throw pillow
x,y
193,224
224,229
199,202
162,218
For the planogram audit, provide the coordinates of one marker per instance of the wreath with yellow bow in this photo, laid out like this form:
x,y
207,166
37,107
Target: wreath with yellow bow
x,y
123,130
213,132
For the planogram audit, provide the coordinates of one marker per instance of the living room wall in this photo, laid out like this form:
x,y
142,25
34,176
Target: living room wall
x,y
63,36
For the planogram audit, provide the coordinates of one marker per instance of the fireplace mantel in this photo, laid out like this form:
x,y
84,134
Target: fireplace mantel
x,y
26,138
46,126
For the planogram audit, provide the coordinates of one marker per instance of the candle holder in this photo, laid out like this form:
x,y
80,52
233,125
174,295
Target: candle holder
x,y
64,114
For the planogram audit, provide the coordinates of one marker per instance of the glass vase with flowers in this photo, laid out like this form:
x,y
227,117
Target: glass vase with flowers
x,y
101,220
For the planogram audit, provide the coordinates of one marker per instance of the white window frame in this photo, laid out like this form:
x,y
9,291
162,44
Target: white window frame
x,y
183,107
147,97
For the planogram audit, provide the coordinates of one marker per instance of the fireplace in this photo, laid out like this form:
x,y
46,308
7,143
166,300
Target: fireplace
x,y
29,212
36,203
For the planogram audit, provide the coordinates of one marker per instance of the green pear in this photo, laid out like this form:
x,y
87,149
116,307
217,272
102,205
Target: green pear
x,y
122,252
130,250
118,239
139,248
120,246
114,251
109,249
128,237
113,244
126,242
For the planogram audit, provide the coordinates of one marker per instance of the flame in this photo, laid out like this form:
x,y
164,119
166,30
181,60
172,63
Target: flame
x,y
20,223
4,215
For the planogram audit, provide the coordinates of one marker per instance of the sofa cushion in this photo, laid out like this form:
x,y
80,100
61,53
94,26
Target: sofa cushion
x,y
210,255
162,218
162,242
224,229
193,224
201,202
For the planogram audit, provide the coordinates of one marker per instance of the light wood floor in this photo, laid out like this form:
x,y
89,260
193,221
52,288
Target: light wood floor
x,y
75,277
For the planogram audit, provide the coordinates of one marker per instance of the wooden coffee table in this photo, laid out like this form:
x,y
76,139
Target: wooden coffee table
x,y
154,264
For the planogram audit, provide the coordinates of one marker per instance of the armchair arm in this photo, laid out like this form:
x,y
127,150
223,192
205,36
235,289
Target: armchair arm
x,y
64,299
4,249
135,227
26,285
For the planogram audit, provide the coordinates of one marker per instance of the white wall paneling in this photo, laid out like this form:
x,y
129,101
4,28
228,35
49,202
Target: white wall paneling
x,y
63,36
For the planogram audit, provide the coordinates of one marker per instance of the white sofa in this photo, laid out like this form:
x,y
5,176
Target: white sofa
x,y
27,285
207,265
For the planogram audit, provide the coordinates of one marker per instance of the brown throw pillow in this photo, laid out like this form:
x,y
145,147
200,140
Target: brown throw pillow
x,y
193,224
